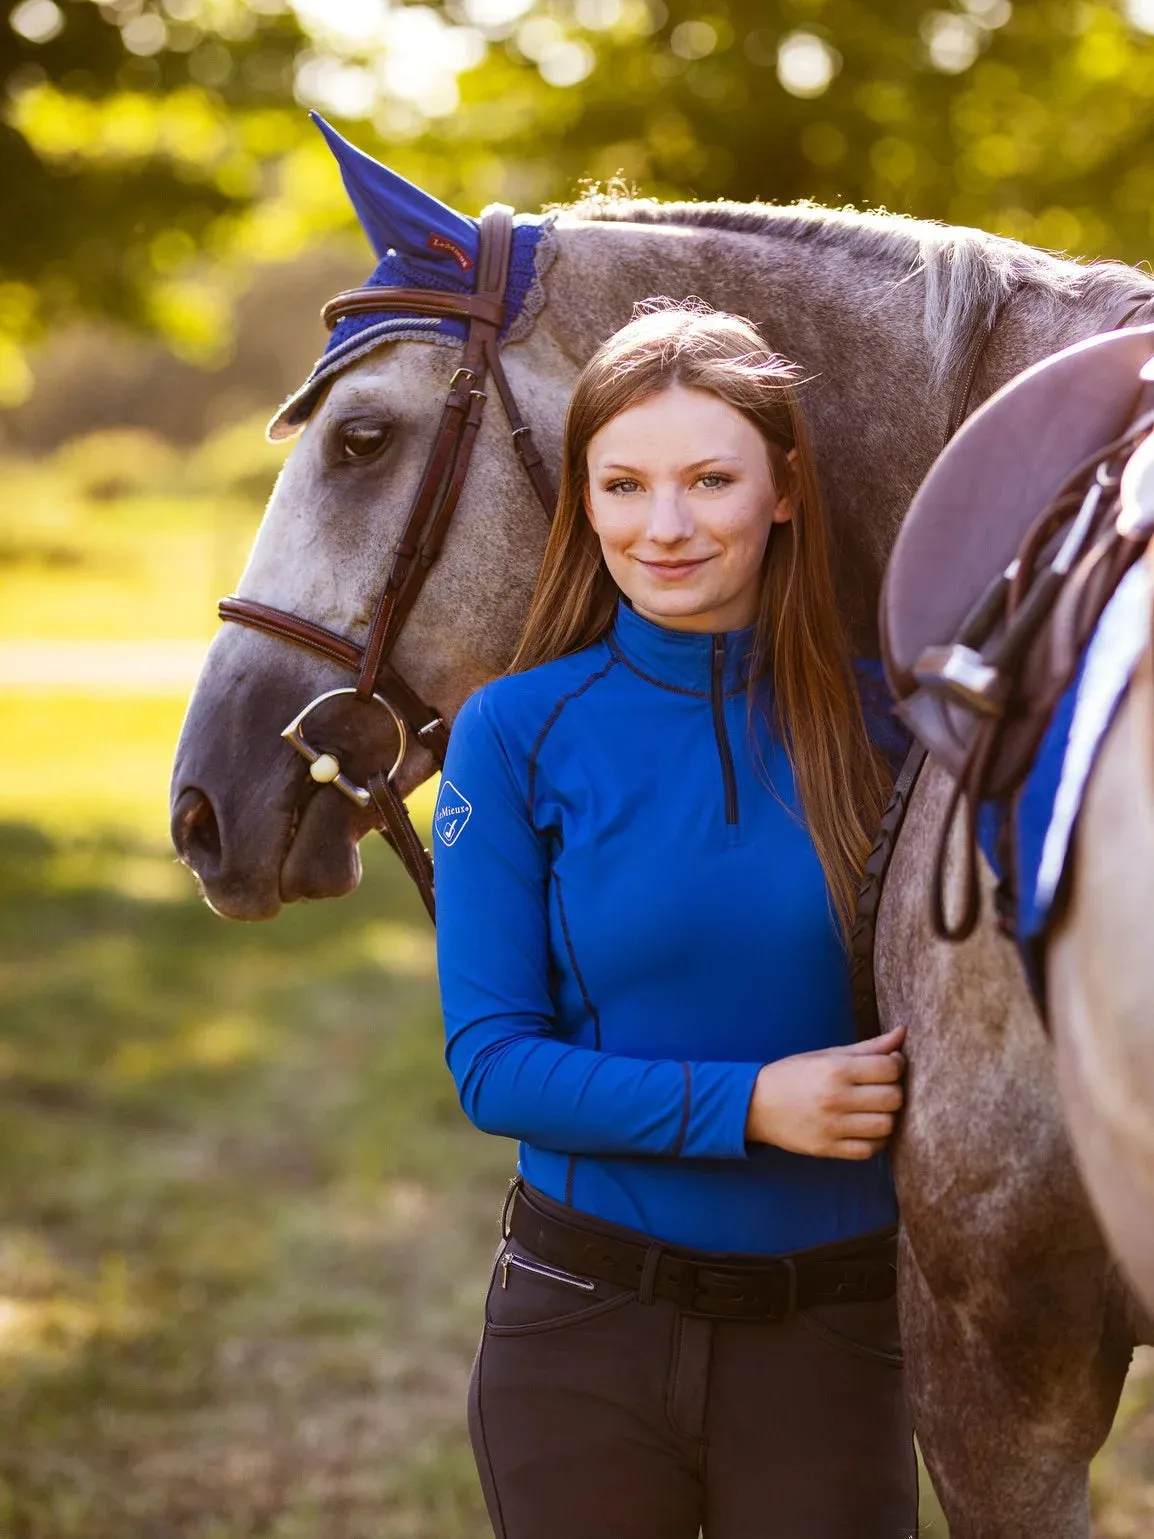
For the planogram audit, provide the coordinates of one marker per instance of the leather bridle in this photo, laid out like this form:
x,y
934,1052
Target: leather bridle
x,y
420,544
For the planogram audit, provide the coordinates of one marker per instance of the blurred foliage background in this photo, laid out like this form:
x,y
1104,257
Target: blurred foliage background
x,y
245,1227
153,151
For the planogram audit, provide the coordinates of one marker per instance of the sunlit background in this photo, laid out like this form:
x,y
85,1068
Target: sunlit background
x,y
245,1228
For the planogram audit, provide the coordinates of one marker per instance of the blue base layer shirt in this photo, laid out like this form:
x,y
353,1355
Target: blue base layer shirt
x,y
630,922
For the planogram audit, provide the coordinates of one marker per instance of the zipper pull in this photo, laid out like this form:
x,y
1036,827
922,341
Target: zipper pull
x,y
506,1261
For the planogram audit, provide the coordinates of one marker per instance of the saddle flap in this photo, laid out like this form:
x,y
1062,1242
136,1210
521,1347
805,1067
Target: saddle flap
x,y
996,476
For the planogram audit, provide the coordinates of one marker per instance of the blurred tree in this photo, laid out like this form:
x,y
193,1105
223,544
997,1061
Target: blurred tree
x,y
150,149
1034,119
129,132
143,136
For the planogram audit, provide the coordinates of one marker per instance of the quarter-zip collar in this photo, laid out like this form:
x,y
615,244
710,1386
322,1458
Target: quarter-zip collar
x,y
679,659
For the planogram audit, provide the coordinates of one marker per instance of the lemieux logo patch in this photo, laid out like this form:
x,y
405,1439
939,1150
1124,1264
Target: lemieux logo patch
x,y
443,243
452,813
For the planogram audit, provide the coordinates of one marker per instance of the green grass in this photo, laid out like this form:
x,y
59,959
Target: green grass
x,y
246,1227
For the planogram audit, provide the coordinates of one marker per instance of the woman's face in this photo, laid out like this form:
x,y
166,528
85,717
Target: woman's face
x,y
681,495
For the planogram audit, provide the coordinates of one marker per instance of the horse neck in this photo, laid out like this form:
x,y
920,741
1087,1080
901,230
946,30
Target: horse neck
x,y
1038,321
877,397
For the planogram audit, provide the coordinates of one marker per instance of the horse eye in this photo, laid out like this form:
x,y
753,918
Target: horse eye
x,y
360,441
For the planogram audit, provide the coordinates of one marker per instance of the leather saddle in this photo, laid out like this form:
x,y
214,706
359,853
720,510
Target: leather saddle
x,y
1011,548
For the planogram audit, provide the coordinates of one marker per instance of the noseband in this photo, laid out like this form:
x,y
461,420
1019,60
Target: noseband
x,y
420,544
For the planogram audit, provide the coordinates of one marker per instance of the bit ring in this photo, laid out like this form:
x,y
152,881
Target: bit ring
x,y
325,768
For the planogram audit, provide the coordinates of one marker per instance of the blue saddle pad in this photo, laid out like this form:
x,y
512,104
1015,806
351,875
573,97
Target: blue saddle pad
x,y
1045,812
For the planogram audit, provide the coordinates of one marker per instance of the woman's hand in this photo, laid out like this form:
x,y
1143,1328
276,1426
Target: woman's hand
x,y
838,1102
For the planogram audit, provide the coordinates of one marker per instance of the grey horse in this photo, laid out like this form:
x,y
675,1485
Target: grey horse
x,y
1018,1330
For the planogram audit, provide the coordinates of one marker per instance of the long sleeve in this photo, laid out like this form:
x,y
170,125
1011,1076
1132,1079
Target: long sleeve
x,y
514,1074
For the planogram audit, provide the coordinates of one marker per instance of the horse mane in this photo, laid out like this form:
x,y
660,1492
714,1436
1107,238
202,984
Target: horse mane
x,y
967,273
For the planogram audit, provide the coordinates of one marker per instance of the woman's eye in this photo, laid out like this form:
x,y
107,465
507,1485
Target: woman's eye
x,y
622,487
360,441
712,479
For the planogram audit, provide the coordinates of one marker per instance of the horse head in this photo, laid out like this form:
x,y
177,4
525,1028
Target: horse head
x,y
246,816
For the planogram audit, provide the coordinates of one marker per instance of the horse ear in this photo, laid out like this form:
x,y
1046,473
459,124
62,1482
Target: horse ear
x,y
397,216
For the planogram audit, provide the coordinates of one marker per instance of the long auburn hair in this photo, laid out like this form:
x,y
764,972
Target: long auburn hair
x,y
800,646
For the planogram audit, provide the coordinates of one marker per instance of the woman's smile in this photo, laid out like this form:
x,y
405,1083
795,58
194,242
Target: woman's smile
x,y
672,571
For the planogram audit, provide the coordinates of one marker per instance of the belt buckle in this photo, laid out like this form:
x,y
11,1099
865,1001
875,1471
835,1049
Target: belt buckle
x,y
722,1291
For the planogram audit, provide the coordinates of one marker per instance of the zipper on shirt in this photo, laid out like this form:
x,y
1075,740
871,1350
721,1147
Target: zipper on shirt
x,y
717,700
540,1269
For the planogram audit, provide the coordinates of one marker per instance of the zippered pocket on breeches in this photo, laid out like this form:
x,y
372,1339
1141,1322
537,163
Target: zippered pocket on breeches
x,y
542,1269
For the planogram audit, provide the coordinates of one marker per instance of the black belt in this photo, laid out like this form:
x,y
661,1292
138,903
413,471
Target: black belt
x,y
766,1289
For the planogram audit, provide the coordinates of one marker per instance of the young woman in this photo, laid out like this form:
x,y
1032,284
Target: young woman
x,y
648,839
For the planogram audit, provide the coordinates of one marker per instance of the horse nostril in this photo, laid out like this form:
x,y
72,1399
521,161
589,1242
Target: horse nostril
x,y
195,832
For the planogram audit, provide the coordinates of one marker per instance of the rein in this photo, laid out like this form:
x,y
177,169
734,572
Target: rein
x,y
430,515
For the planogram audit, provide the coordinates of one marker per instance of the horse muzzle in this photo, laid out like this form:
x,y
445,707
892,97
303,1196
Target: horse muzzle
x,y
269,799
